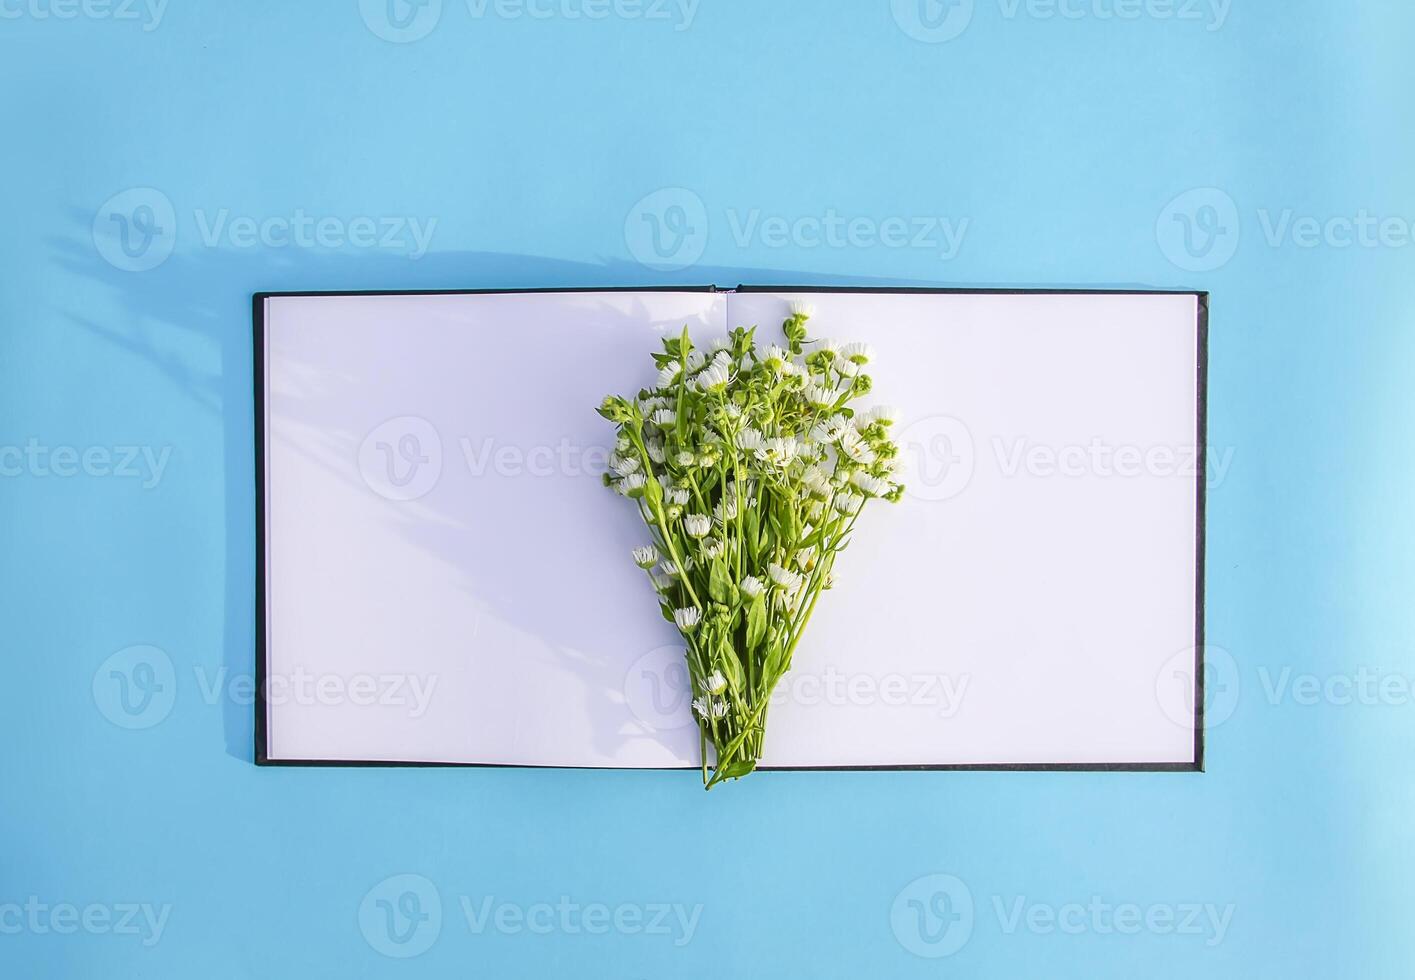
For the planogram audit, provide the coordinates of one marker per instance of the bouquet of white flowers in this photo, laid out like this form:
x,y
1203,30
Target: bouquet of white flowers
x,y
750,469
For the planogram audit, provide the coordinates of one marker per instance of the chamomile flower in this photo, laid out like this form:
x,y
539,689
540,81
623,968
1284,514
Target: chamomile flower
x,y
714,683
714,548
624,465
663,418
857,352
806,557
646,557
671,570
669,374
819,396
883,414
784,577
871,486
686,618
715,377
656,452
847,503
855,447
815,480
719,708
720,344
678,498
750,440
802,309
631,484
777,361
726,509
778,452
697,525
847,368
752,586
830,430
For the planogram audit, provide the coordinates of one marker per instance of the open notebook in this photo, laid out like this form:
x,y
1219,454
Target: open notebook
x,y
442,578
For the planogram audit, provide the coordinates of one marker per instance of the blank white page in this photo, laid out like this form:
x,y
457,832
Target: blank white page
x,y
445,581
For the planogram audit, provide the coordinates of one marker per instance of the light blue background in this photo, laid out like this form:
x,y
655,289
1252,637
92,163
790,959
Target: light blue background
x,y
1061,140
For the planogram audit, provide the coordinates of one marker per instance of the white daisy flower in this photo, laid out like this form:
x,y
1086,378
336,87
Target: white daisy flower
x,y
885,414
703,706
820,396
714,548
803,309
663,418
715,378
847,368
678,498
719,708
646,557
686,618
806,557
872,486
853,446
827,344
750,440
696,359
668,374
726,509
784,577
684,459
670,569
661,583
720,344
624,465
847,503
752,586
815,480
778,452
697,525
714,683
655,449
631,483
857,352
831,429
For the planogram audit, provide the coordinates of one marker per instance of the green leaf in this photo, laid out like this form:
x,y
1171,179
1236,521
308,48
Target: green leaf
x,y
719,584
667,612
730,666
756,622
737,768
